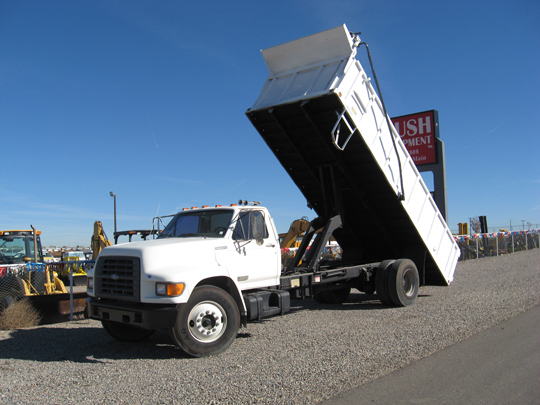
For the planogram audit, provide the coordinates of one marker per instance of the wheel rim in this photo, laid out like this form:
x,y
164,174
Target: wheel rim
x,y
408,283
207,321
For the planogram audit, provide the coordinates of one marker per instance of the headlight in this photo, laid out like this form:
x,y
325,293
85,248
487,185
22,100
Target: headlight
x,y
169,289
89,283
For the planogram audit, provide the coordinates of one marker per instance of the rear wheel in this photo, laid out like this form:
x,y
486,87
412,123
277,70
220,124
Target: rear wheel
x,y
208,323
404,282
126,333
381,282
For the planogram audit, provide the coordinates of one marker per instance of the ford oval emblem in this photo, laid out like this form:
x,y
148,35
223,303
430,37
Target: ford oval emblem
x,y
114,277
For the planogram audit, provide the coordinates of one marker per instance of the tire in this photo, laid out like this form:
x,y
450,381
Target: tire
x,y
126,333
381,282
404,282
208,323
338,296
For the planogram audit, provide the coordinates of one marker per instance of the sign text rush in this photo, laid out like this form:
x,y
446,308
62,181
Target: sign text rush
x,y
418,132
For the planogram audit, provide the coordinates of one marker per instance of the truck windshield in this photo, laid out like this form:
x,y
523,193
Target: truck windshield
x,y
209,223
14,248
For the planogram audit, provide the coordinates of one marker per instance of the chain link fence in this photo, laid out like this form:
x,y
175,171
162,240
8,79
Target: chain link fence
x,y
480,245
57,290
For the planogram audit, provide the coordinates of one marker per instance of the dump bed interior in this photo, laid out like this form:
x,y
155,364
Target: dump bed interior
x,y
324,122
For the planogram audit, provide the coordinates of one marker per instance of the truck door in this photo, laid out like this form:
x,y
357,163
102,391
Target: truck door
x,y
254,260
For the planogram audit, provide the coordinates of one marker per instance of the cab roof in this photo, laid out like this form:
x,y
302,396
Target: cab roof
x,y
20,232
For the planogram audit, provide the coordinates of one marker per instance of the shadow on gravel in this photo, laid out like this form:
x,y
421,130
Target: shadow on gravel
x,y
356,302
83,345
86,345
91,344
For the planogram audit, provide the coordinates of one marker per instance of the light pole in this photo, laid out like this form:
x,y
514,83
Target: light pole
x,y
114,195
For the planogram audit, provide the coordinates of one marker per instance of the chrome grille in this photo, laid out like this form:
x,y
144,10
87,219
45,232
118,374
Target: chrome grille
x,y
118,277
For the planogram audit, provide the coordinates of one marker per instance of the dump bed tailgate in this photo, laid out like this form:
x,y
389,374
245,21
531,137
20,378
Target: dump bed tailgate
x,y
321,117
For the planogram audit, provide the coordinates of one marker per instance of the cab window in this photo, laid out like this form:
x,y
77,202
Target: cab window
x,y
250,225
210,223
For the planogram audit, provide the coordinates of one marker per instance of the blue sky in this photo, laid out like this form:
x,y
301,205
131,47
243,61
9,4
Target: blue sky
x,y
147,99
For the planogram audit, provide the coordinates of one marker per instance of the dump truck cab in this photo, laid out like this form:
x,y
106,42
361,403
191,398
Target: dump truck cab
x,y
200,271
233,245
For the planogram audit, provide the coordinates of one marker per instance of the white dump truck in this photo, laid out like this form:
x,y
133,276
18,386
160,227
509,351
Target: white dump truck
x,y
214,269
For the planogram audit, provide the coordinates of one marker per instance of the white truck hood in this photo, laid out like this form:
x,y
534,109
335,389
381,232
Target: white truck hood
x,y
163,256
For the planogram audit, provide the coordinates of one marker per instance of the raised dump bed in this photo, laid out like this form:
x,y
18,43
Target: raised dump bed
x,y
323,120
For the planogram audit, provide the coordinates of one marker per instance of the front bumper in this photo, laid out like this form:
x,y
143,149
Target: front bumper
x,y
147,316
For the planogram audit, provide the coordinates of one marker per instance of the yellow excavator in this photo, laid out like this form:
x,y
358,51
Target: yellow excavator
x,y
99,240
290,239
298,228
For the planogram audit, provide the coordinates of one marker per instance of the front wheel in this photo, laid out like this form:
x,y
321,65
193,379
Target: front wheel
x,y
208,323
126,333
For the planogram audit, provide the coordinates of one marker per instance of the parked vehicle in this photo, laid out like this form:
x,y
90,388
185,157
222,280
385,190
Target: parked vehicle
x,y
19,246
49,258
25,273
214,269
73,255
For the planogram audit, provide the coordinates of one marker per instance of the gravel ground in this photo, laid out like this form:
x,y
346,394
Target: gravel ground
x,y
311,354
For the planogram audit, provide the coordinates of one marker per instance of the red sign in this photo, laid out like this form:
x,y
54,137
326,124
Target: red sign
x,y
418,132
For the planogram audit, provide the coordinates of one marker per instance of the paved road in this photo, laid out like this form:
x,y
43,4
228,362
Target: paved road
x,y
498,366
